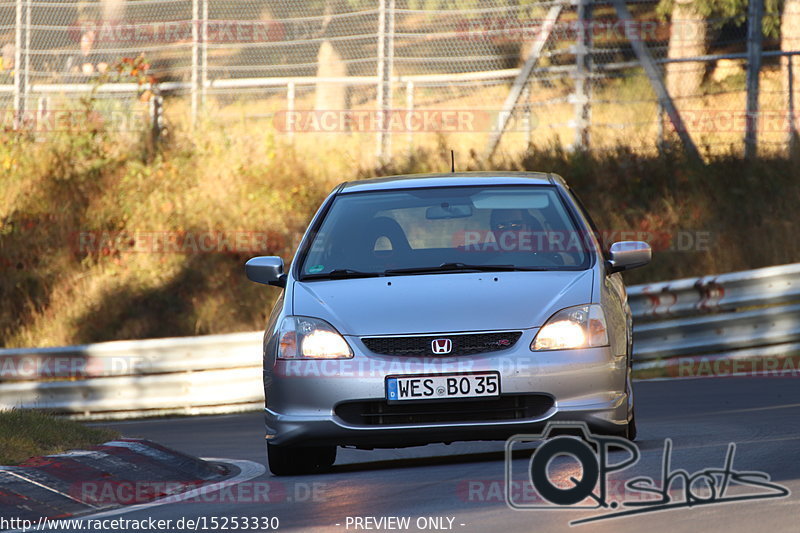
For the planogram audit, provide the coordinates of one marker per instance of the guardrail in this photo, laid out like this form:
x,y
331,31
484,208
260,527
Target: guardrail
x,y
739,315
715,314
124,379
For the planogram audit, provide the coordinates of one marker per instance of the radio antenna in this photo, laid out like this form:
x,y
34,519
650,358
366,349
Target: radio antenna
x,y
453,161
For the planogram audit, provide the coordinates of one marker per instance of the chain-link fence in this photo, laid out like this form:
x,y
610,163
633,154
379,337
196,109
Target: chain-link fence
x,y
395,74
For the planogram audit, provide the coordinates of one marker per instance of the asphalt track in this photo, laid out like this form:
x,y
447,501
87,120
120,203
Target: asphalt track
x,y
464,481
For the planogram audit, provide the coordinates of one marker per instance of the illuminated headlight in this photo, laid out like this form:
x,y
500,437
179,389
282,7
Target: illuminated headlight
x,y
310,338
583,326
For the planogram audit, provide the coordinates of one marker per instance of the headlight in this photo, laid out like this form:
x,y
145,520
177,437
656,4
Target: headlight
x,y
301,337
583,326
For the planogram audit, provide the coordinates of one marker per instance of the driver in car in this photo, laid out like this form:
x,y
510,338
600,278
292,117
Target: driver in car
x,y
516,230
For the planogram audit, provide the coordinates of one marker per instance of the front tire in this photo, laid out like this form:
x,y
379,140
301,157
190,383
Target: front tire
x,y
296,460
628,431
631,432
630,428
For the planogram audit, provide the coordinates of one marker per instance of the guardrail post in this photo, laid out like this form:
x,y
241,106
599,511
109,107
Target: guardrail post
x,y
755,14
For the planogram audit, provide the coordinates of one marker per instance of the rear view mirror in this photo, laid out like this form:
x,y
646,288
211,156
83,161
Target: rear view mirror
x,y
266,270
446,210
626,255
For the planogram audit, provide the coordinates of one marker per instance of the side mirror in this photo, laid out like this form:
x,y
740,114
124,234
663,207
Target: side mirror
x,y
267,270
626,255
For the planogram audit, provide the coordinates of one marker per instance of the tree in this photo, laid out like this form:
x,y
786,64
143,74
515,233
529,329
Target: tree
x,y
688,37
691,23
790,42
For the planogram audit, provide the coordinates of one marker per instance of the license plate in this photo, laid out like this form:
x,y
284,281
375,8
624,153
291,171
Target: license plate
x,y
478,385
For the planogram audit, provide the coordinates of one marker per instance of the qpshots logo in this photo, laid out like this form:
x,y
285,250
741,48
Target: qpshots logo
x,y
583,478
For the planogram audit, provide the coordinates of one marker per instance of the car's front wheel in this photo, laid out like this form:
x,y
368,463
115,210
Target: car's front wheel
x,y
630,432
294,460
630,428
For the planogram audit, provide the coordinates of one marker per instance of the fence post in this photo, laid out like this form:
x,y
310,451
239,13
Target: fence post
x,y
156,117
17,62
409,114
42,109
792,140
583,65
195,60
755,13
384,75
521,80
527,123
290,101
27,72
660,127
204,56
654,75
21,60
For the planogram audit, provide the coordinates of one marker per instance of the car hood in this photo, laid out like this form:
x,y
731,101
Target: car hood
x,y
440,303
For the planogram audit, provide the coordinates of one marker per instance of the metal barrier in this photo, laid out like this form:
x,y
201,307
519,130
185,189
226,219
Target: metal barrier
x,y
124,379
733,316
714,314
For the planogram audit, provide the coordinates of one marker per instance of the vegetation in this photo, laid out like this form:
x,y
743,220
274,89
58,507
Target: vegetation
x,y
25,434
87,217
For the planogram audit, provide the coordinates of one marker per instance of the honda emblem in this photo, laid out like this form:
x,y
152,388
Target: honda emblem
x,y
441,346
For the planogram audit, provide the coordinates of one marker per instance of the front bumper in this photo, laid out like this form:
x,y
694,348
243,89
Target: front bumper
x,y
585,385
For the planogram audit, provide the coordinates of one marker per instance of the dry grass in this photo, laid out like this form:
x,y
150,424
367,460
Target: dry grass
x,y
25,434
238,176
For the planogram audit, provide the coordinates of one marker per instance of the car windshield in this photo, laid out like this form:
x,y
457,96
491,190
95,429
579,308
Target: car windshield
x,y
446,229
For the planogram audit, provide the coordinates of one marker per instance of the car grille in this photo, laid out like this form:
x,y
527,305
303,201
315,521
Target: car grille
x,y
381,413
463,344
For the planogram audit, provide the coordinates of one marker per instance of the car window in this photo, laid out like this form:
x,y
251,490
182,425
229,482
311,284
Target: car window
x,y
522,226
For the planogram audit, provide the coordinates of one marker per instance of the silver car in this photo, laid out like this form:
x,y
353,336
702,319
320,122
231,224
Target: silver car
x,y
440,308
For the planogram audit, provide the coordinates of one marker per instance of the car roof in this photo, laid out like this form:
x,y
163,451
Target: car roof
x,y
454,179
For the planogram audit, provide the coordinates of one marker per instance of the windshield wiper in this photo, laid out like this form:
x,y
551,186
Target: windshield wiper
x,y
459,267
341,273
